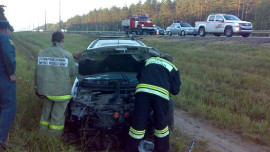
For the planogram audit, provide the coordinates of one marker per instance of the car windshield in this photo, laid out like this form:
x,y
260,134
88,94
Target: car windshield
x,y
231,17
185,25
103,43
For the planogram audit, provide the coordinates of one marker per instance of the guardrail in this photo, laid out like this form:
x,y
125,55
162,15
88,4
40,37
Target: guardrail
x,y
98,33
102,33
261,32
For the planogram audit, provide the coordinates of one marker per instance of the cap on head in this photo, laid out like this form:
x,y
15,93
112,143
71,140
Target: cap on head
x,y
4,24
57,36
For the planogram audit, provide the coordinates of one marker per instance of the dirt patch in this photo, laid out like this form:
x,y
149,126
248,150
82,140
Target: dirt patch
x,y
218,140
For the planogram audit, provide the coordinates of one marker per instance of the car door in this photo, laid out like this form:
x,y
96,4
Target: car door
x,y
178,28
173,29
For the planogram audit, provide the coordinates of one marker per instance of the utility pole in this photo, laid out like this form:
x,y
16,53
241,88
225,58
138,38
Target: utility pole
x,y
45,25
60,15
243,9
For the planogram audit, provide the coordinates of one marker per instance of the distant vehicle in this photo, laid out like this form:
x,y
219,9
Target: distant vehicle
x,y
226,24
138,24
159,30
181,28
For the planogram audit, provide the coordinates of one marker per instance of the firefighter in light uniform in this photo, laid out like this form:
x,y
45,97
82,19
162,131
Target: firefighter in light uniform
x,y
8,104
157,79
54,69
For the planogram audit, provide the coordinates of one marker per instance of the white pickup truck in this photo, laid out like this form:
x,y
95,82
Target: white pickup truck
x,y
226,24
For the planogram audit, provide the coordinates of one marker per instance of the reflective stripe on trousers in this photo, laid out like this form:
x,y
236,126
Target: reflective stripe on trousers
x,y
137,134
162,133
55,127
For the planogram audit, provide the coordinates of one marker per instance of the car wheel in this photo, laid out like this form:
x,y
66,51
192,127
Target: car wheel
x,y
228,32
170,33
245,35
202,32
183,33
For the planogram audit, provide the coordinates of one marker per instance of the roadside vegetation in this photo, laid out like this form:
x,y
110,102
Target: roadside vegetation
x,y
23,135
226,83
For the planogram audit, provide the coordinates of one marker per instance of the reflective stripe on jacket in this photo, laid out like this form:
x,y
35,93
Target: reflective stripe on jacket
x,y
153,90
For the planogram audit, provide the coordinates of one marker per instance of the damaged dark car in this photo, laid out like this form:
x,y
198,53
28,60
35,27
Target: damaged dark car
x,y
103,93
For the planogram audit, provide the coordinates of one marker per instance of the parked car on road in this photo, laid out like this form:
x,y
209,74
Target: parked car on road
x,y
181,28
226,24
159,30
103,93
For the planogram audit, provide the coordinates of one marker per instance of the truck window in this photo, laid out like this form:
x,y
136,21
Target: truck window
x,y
219,18
211,18
144,19
231,17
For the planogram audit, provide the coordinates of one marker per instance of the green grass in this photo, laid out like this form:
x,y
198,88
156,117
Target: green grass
x,y
228,84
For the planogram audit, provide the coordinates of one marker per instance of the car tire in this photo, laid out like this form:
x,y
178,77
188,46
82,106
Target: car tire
x,y
183,33
170,33
171,114
202,32
245,35
228,32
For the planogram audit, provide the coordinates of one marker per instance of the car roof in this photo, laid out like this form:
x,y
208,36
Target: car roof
x,y
115,42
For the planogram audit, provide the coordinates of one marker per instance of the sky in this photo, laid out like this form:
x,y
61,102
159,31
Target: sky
x,y
26,14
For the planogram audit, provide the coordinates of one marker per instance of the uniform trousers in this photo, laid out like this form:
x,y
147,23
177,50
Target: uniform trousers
x,y
8,108
144,102
53,117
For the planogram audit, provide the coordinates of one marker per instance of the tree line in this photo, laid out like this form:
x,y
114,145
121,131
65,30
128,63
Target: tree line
x,y
164,12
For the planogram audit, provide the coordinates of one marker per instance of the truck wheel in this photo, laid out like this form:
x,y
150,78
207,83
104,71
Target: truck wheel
x,y
144,33
202,32
171,114
183,33
228,32
245,35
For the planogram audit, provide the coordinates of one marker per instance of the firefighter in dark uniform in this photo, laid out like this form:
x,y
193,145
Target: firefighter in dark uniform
x,y
8,105
157,80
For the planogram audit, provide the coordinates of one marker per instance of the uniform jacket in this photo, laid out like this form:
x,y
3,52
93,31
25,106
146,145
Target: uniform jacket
x,y
159,77
7,59
54,69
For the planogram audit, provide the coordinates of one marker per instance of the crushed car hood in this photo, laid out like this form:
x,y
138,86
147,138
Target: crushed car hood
x,y
110,59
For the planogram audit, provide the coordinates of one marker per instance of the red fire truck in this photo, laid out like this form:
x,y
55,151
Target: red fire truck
x,y
138,24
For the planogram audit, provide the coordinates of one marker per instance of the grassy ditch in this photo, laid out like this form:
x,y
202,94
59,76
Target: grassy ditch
x,y
23,135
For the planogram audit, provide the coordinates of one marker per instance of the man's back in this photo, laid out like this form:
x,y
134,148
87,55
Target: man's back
x,y
55,66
